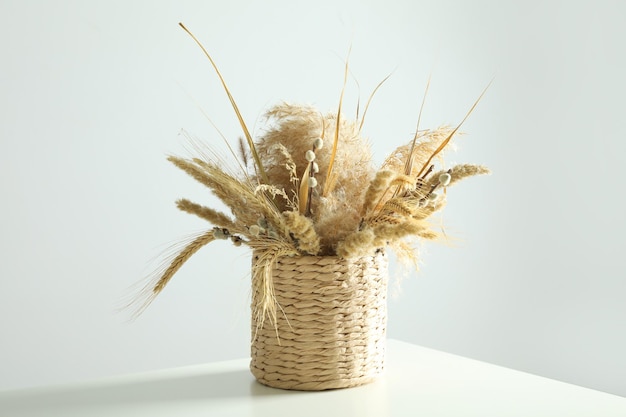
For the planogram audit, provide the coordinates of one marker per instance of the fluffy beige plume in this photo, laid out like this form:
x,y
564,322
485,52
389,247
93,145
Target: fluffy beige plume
x,y
287,161
302,231
427,144
359,243
295,128
383,233
335,218
292,132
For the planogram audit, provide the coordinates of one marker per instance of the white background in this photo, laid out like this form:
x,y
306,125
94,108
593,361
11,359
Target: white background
x,y
93,95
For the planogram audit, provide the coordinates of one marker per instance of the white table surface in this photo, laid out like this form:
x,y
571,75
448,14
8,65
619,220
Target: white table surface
x,y
418,382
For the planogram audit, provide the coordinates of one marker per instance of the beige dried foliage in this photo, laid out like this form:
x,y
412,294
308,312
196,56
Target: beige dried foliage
x,y
377,187
407,255
405,252
335,217
302,231
359,243
428,235
383,233
427,143
459,172
365,210
289,164
239,195
181,258
265,254
244,127
403,183
296,128
244,152
304,191
398,206
292,132
159,278
422,213
272,192
383,187
351,208
386,233
214,217
383,218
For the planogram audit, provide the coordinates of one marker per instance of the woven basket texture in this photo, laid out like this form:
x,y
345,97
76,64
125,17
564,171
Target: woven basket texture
x,y
331,325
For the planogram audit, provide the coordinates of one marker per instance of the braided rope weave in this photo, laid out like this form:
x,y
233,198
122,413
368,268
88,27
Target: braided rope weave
x,y
331,324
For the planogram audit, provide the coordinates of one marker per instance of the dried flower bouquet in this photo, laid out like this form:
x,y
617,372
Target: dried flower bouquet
x,y
308,186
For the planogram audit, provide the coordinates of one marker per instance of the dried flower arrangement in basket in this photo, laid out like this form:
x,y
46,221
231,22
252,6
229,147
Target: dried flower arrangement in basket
x,y
318,216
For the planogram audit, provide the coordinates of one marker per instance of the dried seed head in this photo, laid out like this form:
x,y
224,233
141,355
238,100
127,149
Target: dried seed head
x,y
254,230
310,155
444,179
433,196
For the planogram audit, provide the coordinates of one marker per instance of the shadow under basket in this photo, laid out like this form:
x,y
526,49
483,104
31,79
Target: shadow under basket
x,y
331,323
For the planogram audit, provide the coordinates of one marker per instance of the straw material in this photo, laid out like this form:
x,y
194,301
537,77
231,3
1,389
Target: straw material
x,y
330,329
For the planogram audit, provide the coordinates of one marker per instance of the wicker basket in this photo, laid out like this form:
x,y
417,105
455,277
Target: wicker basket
x,y
331,324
